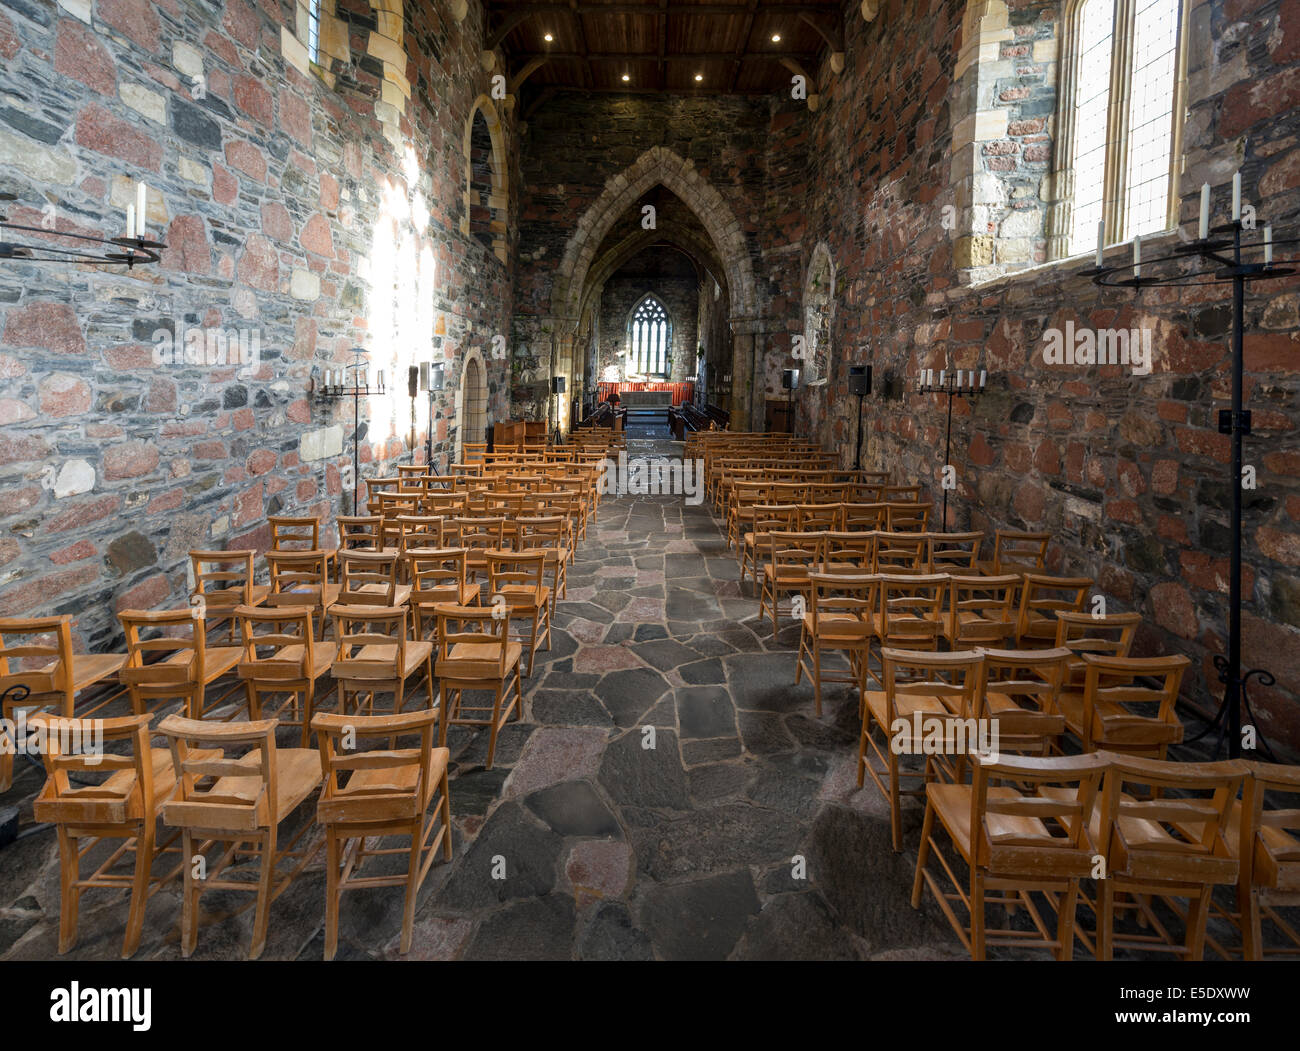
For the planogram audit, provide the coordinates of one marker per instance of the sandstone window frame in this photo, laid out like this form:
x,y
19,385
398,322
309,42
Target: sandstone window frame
x,y
314,40
818,309
638,352
1115,183
499,198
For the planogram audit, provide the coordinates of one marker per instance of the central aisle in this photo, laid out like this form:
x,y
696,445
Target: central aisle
x,y
684,850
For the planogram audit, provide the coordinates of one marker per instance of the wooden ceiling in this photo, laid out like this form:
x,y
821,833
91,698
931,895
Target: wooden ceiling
x,y
678,46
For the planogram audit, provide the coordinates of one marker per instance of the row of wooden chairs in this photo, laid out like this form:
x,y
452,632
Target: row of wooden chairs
x,y
228,785
1135,828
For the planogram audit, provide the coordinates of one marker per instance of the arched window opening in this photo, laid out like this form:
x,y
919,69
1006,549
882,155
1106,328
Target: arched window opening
x,y
480,180
1121,135
649,336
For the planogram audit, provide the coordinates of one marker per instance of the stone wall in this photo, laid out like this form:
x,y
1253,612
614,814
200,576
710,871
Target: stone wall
x,y
306,210
1127,471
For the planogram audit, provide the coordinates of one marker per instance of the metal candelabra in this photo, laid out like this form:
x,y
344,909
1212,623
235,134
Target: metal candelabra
x,y
126,251
338,384
963,383
1217,260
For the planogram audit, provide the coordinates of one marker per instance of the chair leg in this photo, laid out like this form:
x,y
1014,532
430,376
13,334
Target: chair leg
x,y
1198,911
446,819
1251,924
69,874
895,804
332,893
1065,921
412,885
817,678
265,878
923,854
190,897
976,914
144,845
1105,920
492,729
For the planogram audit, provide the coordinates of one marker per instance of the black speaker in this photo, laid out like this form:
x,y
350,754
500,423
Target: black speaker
x,y
789,379
413,381
860,380
431,376
557,384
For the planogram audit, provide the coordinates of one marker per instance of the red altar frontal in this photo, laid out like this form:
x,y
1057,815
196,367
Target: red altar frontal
x,y
682,392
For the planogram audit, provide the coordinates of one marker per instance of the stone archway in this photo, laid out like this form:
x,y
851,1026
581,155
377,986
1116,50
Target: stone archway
x,y
658,165
497,199
471,402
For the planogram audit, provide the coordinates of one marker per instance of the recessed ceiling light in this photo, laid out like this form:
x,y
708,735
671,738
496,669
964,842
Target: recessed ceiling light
x,y
776,38
627,76
548,38
699,76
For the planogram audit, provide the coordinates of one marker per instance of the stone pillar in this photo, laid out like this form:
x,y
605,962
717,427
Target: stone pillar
x,y
742,373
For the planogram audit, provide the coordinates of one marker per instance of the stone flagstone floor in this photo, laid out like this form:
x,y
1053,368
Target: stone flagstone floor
x,y
610,850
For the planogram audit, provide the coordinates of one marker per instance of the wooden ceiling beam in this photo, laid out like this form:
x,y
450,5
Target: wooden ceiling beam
x,y
580,34
693,56
506,26
750,11
663,42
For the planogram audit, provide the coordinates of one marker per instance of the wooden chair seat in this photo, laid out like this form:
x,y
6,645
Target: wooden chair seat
x,y
460,595
416,654
116,799
905,706
235,596
476,652
322,658
401,594
952,806
90,668
1114,726
525,595
297,775
217,661
295,596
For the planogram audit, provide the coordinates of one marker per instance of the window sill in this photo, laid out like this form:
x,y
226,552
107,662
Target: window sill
x,y
1154,244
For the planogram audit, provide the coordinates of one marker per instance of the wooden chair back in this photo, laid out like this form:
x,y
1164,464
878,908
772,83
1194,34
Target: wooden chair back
x,y
360,532
1041,599
368,578
279,645
166,665
901,552
36,653
911,610
850,553
1018,692
374,785
907,517
298,578
371,643
954,552
1017,551
222,581
902,493
1122,713
293,532
484,634
980,610
99,772
224,792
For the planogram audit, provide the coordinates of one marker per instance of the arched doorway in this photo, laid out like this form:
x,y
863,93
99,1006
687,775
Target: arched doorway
x,y
474,399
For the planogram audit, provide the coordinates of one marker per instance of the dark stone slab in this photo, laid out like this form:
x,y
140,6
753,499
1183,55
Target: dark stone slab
x,y
710,751
715,781
763,733
706,672
714,839
568,708
473,791
572,808
644,777
705,711
688,605
665,654
650,632
540,929
797,927
765,682
629,694
611,936
701,920
531,854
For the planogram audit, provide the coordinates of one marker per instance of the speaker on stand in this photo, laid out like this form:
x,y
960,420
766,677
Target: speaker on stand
x,y
859,384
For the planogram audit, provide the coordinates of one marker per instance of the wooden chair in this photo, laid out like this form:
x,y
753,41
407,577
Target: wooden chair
x,y
853,554
907,517
924,709
1114,710
176,663
471,661
1029,835
791,557
375,655
911,611
902,493
1016,551
979,611
297,533
1266,840
474,452
301,578
547,534
93,795
443,504
369,794
282,660
517,577
840,618
1041,599
240,801
864,517
38,670
1018,693
818,517
954,552
478,536
369,578
360,532
1110,635
901,553
438,575
1170,844
766,517
223,580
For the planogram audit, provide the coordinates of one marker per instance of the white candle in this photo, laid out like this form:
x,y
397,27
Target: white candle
x,y
1236,197
1268,244
983,377
1204,233
141,208
1101,241
943,373
130,220
380,381
1137,255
